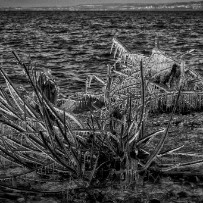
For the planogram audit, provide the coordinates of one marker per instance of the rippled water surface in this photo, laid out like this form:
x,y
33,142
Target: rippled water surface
x,y
76,44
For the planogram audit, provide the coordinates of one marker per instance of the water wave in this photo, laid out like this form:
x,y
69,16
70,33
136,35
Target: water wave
x,y
76,44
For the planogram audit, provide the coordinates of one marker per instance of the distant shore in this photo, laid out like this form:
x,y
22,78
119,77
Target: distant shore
x,y
178,6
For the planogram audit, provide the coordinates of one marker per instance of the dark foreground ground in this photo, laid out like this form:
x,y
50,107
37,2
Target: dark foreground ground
x,y
182,185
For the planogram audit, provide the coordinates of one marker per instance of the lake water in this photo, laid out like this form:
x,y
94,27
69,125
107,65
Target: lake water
x,y
76,44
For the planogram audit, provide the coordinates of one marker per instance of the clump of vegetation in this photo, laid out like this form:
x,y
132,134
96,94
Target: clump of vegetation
x,y
106,144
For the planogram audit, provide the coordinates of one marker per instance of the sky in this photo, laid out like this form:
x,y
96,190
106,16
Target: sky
x,y
63,3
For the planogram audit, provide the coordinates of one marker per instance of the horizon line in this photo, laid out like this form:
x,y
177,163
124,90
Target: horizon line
x,y
102,4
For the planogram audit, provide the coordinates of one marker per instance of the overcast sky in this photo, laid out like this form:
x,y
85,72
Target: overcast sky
x,y
42,3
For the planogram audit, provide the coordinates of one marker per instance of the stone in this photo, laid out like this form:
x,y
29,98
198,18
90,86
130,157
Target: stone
x,y
21,199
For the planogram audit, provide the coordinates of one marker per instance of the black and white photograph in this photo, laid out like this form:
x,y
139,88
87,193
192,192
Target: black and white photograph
x,y
101,101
